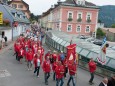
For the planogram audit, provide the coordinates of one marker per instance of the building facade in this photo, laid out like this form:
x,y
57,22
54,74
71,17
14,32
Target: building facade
x,y
74,16
20,5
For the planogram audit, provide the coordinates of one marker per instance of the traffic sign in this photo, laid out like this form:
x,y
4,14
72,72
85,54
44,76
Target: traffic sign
x,y
1,18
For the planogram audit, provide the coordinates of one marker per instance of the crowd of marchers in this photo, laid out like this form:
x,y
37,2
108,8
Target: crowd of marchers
x,y
28,47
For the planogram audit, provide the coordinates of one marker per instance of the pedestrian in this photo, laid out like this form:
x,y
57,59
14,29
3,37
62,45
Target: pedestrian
x,y
72,72
65,63
54,65
104,82
92,69
29,59
36,64
62,56
21,55
46,69
111,81
59,74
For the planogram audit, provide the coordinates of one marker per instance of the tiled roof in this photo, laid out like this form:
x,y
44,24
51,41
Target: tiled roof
x,y
110,29
11,10
89,4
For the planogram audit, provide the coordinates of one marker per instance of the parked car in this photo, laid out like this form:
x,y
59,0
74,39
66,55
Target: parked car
x,y
98,42
90,39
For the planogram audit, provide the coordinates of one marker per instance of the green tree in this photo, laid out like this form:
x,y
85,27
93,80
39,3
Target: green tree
x,y
100,33
113,25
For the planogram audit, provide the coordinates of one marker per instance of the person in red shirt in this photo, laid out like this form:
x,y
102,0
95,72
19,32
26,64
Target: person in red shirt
x,y
48,54
54,56
36,64
29,57
21,55
54,65
19,46
72,72
92,69
59,74
46,69
65,63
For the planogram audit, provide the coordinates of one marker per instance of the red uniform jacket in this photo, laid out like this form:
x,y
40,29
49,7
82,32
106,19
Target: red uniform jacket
x,y
30,56
59,71
55,64
72,69
55,56
47,54
18,47
35,62
46,66
92,66
21,53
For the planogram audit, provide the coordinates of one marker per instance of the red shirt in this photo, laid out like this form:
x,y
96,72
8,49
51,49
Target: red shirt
x,y
55,64
21,53
30,55
55,56
47,54
72,69
92,66
59,71
46,66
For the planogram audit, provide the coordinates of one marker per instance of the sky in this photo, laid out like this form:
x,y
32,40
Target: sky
x,y
39,6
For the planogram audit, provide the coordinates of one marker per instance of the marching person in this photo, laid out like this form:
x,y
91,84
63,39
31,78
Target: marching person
x,y
21,55
59,74
72,73
48,54
29,59
65,63
46,69
104,82
36,64
62,57
92,69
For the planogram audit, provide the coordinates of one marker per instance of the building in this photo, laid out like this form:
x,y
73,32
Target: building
x,y
20,5
110,33
17,20
72,16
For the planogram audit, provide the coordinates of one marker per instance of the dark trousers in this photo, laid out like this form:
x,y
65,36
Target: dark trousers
x,y
59,81
29,64
54,75
73,80
66,71
37,70
17,56
47,75
92,77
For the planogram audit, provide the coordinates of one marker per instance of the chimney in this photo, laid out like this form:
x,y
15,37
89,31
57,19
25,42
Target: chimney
x,y
59,2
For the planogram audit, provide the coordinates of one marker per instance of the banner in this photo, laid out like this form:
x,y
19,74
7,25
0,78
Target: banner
x,y
71,53
102,55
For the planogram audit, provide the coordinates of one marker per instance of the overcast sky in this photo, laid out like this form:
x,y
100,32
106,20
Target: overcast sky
x,y
39,6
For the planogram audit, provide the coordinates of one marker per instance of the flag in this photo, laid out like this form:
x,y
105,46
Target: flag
x,y
71,53
102,55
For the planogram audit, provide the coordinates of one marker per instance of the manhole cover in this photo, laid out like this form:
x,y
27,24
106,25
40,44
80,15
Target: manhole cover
x,y
4,73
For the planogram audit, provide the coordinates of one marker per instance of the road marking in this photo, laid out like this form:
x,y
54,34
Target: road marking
x,y
4,73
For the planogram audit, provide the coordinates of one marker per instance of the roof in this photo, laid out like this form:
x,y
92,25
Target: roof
x,y
11,10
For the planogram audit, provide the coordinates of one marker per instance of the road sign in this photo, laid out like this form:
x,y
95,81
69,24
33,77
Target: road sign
x,y
1,18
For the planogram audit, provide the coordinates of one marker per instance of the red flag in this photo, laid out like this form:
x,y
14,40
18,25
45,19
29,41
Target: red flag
x,y
71,53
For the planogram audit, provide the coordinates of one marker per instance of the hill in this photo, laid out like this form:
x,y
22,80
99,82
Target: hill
x,y
107,15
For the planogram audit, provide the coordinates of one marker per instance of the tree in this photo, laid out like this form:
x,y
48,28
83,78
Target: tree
x,y
100,33
113,25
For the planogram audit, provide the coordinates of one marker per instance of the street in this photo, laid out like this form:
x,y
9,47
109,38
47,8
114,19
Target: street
x,y
16,74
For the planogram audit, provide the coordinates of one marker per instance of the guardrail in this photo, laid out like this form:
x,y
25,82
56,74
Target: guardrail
x,y
60,45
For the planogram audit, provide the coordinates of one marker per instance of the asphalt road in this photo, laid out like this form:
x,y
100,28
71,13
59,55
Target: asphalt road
x,y
12,73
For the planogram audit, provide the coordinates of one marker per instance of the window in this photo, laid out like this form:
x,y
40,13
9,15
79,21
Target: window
x,y
87,29
69,28
88,17
14,14
14,5
70,14
78,29
20,6
79,16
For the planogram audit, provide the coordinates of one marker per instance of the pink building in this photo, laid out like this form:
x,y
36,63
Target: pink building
x,y
75,17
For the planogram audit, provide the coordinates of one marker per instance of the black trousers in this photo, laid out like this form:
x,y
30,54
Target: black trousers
x,y
92,77
47,75
37,70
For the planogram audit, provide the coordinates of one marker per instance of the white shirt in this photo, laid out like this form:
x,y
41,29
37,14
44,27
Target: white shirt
x,y
104,84
38,62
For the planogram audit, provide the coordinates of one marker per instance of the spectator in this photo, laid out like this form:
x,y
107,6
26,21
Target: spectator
x,y
111,81
104,82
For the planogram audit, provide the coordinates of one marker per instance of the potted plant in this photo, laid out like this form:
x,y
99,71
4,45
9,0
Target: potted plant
x,y
88,20
79,19
70,19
